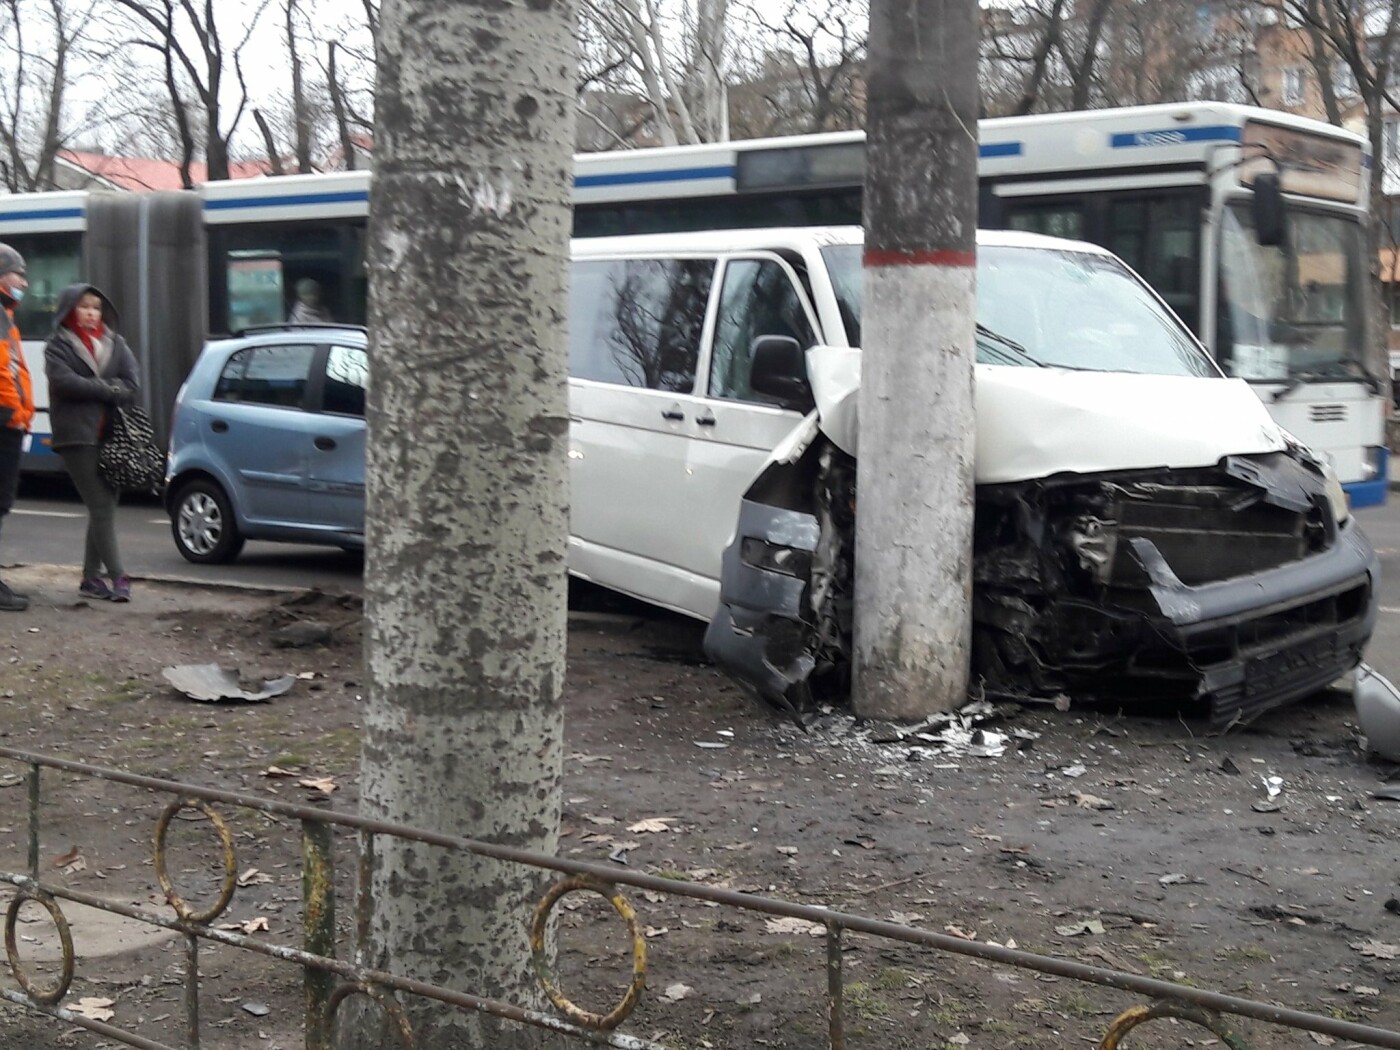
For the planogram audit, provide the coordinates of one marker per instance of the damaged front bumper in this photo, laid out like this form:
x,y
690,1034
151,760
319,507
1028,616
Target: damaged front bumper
x,y
1221,592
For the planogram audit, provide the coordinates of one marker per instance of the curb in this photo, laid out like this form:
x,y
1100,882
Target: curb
x,y
170,580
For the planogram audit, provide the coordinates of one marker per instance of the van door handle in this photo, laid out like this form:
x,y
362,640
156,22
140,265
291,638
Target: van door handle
x,y
325,444
707,420
218,426
674,413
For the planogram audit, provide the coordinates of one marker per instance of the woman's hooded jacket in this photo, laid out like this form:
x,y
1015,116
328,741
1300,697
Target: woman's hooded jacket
x,y
84,384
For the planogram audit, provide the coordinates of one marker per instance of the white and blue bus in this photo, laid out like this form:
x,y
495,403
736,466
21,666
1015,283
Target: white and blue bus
x,y
1249,223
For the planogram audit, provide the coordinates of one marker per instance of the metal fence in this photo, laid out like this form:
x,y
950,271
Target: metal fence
x,y
329,981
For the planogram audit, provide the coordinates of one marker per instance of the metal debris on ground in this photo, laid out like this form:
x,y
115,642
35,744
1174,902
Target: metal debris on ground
x,y
212,683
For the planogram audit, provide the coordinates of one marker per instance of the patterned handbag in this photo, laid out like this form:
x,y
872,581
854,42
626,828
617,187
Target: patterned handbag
x,y
128,457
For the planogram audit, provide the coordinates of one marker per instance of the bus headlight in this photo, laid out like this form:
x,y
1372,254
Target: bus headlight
x,y
1336,495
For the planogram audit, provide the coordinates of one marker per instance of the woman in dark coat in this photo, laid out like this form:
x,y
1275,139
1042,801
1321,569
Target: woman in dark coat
x,y
90,370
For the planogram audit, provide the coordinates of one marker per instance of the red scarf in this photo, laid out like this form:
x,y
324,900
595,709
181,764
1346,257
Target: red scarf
x,y
87,335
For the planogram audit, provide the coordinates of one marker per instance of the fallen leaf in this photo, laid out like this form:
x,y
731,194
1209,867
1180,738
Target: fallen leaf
x,y
905,918
78,865
278,771
1377,949
93,1008
1322,1040
254,877
786,924
674,993
1084,800
253,925
787,850
651,824
325,785
68,858
601,822
657,931
1078,929
752,999
959,932
256,1009
1173,879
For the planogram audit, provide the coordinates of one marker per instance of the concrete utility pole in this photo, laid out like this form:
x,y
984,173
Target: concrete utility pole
x,y
915,482
465,587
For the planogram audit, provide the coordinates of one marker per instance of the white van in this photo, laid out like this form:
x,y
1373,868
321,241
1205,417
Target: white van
x,y
1144,531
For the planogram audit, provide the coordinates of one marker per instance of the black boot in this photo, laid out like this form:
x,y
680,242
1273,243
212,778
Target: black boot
x,y
11,601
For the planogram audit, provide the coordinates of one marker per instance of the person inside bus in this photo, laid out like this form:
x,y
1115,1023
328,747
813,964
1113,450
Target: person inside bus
x,y
308,308
16,398
90,370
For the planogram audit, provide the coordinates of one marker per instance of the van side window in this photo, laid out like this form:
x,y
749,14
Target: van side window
x,y
758,298
266,375
638,322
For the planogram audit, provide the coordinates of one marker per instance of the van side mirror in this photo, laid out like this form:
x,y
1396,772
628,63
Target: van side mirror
x,y
778,369
1269,227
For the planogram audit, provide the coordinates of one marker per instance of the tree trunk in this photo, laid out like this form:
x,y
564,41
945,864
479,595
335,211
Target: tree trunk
x,y
915,475
274,157
467,487
342,121
301,118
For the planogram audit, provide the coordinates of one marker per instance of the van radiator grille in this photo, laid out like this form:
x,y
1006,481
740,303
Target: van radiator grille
x,y
1329,413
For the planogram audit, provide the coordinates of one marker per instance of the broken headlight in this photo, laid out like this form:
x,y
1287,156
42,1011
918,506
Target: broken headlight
x,y
1336,495
772,557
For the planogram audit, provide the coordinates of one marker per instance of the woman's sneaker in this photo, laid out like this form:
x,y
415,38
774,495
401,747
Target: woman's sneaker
x,y
96,587
121,589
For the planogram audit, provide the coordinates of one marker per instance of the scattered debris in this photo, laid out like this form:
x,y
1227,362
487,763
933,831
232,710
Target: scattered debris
x,y
256,1009
278,771
254,877
1378,710
713,745
210,682
1272,786
674,993
1174,879
70,862
1084,800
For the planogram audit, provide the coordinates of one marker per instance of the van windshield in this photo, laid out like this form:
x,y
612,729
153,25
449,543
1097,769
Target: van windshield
x,y
1056,308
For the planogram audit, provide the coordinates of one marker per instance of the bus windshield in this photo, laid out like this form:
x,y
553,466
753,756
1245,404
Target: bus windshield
x,y
1291,312
1054,308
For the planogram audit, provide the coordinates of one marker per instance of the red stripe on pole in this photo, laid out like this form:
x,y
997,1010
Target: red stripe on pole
x,y
927,257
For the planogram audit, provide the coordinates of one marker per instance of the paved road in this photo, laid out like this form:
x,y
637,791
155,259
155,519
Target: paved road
x,y
47,526
48,523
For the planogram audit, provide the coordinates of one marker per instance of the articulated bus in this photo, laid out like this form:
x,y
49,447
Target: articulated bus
x,y
1247,222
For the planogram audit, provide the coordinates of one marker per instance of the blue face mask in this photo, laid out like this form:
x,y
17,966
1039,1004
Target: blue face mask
x,y
16,294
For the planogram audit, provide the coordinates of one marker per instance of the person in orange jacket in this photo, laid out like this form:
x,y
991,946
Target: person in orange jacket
x,y
16,399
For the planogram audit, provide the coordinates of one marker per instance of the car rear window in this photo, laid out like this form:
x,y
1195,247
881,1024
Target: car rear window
x,y
267,375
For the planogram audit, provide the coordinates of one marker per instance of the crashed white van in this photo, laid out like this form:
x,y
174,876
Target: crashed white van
x,y
1145,534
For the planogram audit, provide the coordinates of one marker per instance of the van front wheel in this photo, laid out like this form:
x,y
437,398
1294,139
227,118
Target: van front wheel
x,y
203,525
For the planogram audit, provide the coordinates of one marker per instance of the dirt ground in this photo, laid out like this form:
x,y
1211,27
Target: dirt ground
x,y
1138,844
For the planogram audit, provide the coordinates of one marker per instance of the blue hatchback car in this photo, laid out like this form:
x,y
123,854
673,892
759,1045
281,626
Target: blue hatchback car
x,y
268,442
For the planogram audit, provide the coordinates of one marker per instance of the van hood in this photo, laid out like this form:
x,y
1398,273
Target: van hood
x,y
1037,422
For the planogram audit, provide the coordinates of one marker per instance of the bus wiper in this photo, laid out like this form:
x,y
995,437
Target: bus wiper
x,y
1010,344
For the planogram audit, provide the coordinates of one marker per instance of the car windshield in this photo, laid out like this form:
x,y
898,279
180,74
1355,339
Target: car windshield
x,y
1291,312
1053,307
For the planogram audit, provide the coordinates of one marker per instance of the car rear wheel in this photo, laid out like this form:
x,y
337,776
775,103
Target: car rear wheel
x,y
203,525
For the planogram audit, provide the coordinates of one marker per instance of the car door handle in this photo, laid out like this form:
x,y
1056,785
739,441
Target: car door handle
x,y
674,412
218,426
707,420
325,444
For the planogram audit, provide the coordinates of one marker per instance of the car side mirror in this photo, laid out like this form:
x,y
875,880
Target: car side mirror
x,y
778,369
1269,226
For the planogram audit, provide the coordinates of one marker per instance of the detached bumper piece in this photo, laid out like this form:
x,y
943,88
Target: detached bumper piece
x,y
1216,593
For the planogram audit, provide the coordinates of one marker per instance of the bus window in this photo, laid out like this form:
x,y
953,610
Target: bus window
x,y
52,262
254,271
1060,219
1158,236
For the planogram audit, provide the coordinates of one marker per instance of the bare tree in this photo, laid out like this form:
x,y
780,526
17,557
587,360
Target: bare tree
x,y
301,115
195,61
676,63
804,68
467,518
38,43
